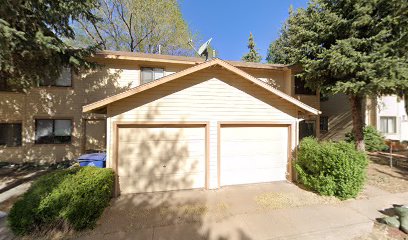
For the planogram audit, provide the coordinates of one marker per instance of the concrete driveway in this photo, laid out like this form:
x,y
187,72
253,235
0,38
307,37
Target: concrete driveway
x,y
264,211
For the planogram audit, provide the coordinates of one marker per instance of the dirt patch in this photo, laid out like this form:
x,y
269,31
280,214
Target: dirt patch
x,y
381,175
5,206
278,200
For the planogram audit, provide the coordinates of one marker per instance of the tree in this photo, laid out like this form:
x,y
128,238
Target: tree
x,y
252,55
357,47
31,48
137,26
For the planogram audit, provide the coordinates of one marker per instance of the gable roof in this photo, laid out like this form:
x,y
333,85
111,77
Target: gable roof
x,y
104,102
182,60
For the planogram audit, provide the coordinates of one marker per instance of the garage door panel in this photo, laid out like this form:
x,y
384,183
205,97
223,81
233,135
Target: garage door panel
x,y
163,167
161,158
257,176
140,134
154,183
253,154
151,147
254,133
254,162
241,148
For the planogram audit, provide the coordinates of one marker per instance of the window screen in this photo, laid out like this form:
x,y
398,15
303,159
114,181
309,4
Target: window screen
x,y
150,74
388,124
10,134
53,131
64,80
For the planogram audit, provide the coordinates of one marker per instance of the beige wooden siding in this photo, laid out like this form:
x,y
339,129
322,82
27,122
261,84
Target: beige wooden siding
x,y
152,158
253,154
210,95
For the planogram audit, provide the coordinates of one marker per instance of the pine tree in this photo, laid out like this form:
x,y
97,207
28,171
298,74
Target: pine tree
x,y
31,33
253,55
356,47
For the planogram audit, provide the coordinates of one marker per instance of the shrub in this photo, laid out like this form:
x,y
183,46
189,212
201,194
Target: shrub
x,y
373,139
331,168
73,198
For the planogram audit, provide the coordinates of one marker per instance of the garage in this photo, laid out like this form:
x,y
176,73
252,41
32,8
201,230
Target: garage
x,y
155,157
253,153
208,126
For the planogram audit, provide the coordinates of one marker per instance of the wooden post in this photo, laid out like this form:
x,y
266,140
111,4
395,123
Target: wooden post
x,y
391,154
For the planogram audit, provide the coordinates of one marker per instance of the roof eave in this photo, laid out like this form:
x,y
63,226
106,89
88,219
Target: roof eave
x,y
107,101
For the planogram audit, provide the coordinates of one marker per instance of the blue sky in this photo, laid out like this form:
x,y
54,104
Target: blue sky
x,y
229,22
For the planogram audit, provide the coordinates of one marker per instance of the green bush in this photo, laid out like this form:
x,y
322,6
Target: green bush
x,y
331,168
74,197
373,139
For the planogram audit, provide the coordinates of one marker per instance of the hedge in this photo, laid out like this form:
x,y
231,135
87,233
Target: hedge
x,y
73,198
331,168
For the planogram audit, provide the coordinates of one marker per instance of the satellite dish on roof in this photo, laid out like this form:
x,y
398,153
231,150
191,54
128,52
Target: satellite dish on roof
x,y
203,50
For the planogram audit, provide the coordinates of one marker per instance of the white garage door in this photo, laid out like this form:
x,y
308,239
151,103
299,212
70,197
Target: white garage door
x,y
253,154
154,158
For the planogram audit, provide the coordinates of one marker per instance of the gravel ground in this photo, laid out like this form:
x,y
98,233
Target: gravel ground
x,y
393,180
381,175
278,200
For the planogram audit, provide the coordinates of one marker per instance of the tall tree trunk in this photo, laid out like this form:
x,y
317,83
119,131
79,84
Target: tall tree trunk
x,y
357,114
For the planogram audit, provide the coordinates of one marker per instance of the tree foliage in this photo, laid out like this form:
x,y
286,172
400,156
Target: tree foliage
x,y
373,139
252,55
31,48
357,47
137,26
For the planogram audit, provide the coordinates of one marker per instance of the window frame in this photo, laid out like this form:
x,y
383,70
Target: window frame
x,y
308,121
394,118
324,128
53,131
21,135
59,86
302,89
10,89
152,68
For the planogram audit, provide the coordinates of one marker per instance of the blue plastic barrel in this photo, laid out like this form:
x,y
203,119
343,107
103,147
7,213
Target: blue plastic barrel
x,y
93,159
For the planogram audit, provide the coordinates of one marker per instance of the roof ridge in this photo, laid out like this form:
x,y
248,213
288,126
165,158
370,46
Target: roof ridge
x,y
187,71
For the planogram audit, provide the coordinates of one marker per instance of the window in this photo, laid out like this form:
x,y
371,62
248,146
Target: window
x,y
6,86
65,80
300,87
388,124
324,123
307,128
3,85
55,131
10,134
150,74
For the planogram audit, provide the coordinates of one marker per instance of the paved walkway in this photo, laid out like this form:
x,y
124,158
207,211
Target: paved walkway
x,y
264,211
